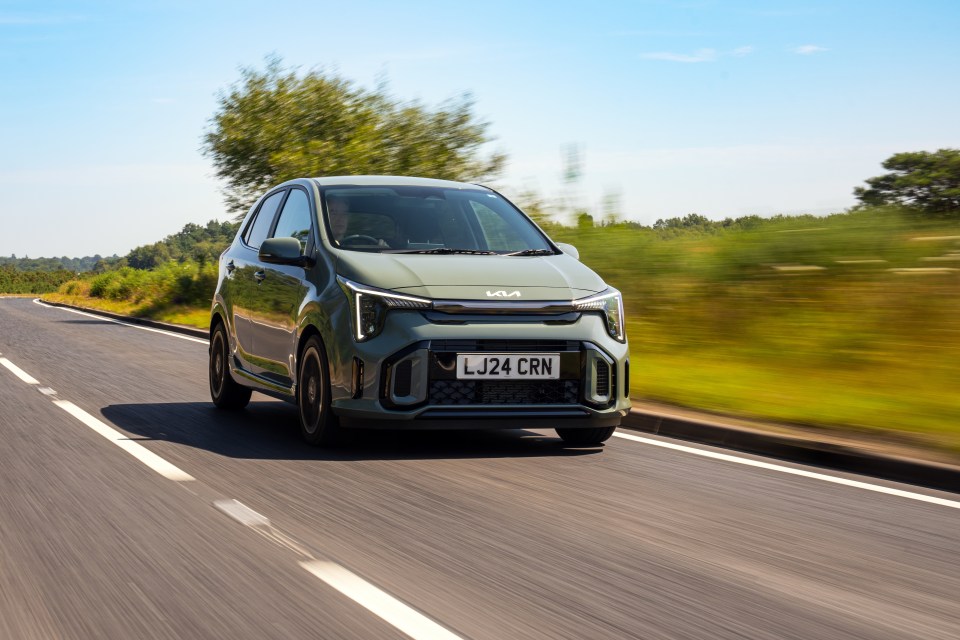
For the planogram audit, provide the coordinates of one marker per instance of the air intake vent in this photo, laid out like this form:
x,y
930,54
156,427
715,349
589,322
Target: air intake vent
x,y
603,378
402,379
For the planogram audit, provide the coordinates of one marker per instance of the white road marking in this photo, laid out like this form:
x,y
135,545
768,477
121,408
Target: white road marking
x,y
121,322
409,621
137,450
380,603
17,371
242,513
797,472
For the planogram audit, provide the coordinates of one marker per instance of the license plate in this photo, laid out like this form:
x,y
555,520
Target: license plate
x,y
508,366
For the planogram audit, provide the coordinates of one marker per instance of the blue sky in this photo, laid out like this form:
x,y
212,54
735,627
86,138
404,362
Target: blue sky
x,y
723,108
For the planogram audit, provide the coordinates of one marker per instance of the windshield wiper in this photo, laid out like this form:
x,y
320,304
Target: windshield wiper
x,y
446,251
531,252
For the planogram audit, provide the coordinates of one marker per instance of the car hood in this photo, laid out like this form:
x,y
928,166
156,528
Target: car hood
x,y
473,277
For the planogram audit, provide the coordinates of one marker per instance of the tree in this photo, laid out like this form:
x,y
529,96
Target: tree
x,y
928,182
274,125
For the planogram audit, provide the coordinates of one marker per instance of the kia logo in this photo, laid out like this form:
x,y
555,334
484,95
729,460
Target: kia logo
x,y
503,294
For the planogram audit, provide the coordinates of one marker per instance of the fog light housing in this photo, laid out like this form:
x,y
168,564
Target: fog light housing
x,y
407,379
599,385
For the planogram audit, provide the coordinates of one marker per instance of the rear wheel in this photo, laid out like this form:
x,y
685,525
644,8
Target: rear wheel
x,y
593,435
226,393
318,425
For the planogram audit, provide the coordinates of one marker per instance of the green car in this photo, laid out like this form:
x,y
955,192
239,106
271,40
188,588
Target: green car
x,y
410,303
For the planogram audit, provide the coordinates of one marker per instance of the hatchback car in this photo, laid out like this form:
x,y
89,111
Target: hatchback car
x,y
413,303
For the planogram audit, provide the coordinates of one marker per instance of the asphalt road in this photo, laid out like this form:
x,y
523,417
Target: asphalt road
x,y
131,508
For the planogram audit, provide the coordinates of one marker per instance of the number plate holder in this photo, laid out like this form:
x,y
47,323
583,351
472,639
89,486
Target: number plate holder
x,y
508,366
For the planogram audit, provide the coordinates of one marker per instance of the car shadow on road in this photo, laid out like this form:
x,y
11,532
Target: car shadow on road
x,y
269,430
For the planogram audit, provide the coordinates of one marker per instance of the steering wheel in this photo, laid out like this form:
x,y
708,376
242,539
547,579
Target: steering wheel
x,y
360,239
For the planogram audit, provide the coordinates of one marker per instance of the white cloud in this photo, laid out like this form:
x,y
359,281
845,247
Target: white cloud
x,y
700,55
809,49
739,52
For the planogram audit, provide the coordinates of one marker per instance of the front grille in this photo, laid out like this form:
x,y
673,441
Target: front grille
x,y
504,345
492,392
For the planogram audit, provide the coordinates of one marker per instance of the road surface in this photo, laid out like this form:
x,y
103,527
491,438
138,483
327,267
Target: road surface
x,y
131,508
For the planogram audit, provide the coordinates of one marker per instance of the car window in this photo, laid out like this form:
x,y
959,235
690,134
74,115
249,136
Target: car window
x,y
257,230
497,231
295,218
415,219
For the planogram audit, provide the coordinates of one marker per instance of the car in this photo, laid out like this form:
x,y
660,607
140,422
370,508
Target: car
x,y
414,303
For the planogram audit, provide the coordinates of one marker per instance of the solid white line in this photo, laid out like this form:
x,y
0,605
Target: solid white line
x,y
17,371
411,622
797,472
121,322
138,451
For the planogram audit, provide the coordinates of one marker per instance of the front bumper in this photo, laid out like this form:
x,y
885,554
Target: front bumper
x,y
406,377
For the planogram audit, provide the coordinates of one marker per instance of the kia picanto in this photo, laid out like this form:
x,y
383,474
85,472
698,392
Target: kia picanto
x,y
412,303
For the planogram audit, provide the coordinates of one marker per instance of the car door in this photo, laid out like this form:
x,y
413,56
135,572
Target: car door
x,y
281,290
243,267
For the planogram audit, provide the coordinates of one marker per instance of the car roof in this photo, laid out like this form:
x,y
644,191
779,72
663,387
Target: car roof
x,y
384,181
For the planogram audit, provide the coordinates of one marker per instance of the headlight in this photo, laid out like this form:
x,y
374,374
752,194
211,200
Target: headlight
x,y
369,307
610,302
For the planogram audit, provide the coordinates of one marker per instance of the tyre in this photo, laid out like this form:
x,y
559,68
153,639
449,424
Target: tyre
x,y
318,425
594,435
226,393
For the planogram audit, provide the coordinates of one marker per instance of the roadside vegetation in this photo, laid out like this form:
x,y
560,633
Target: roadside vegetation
x,y
848,321
14,281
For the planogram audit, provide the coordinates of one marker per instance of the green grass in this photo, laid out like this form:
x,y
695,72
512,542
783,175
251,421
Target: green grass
x,y
800,320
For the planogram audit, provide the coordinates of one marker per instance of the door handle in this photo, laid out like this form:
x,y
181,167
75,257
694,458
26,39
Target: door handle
x,y
231,266
260,275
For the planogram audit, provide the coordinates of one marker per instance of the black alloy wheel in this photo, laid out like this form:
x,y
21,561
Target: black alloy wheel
x,y
226,393
318,425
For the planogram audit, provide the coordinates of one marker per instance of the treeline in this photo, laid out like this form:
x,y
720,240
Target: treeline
x,y
76,265
12,280
194,243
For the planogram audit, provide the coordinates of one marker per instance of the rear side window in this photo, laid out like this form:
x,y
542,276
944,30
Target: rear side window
x,y
295,218
257,231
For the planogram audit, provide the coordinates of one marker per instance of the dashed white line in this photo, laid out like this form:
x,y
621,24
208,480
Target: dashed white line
x,y
943,502
17,371
138,451
121,322
379,602
242,513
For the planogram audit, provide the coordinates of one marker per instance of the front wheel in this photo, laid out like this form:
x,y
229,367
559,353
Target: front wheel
x,y
318,425
589,436
226,393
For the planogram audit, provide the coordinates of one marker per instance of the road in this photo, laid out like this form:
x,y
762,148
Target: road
x,y
131,508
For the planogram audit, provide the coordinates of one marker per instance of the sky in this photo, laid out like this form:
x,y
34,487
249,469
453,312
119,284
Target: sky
x,y
717,107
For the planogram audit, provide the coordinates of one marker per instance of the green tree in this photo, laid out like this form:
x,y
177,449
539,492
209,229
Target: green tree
x,y
275,124
929,182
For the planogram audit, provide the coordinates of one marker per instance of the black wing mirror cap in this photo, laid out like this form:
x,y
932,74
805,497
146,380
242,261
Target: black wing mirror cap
x,y
283,251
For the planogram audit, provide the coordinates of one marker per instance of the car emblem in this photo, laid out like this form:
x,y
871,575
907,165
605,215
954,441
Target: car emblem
x,y
503,294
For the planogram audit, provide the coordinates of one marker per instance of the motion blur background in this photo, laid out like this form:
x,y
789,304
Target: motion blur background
x,y
701,155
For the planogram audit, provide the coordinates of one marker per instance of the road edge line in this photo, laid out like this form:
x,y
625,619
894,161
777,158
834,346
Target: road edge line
x,y
812,452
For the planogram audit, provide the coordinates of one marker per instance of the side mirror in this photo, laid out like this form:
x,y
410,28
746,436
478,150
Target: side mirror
x,y
283,251
569,249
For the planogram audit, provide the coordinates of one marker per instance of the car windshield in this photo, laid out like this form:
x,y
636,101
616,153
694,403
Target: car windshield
x,y
429,220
